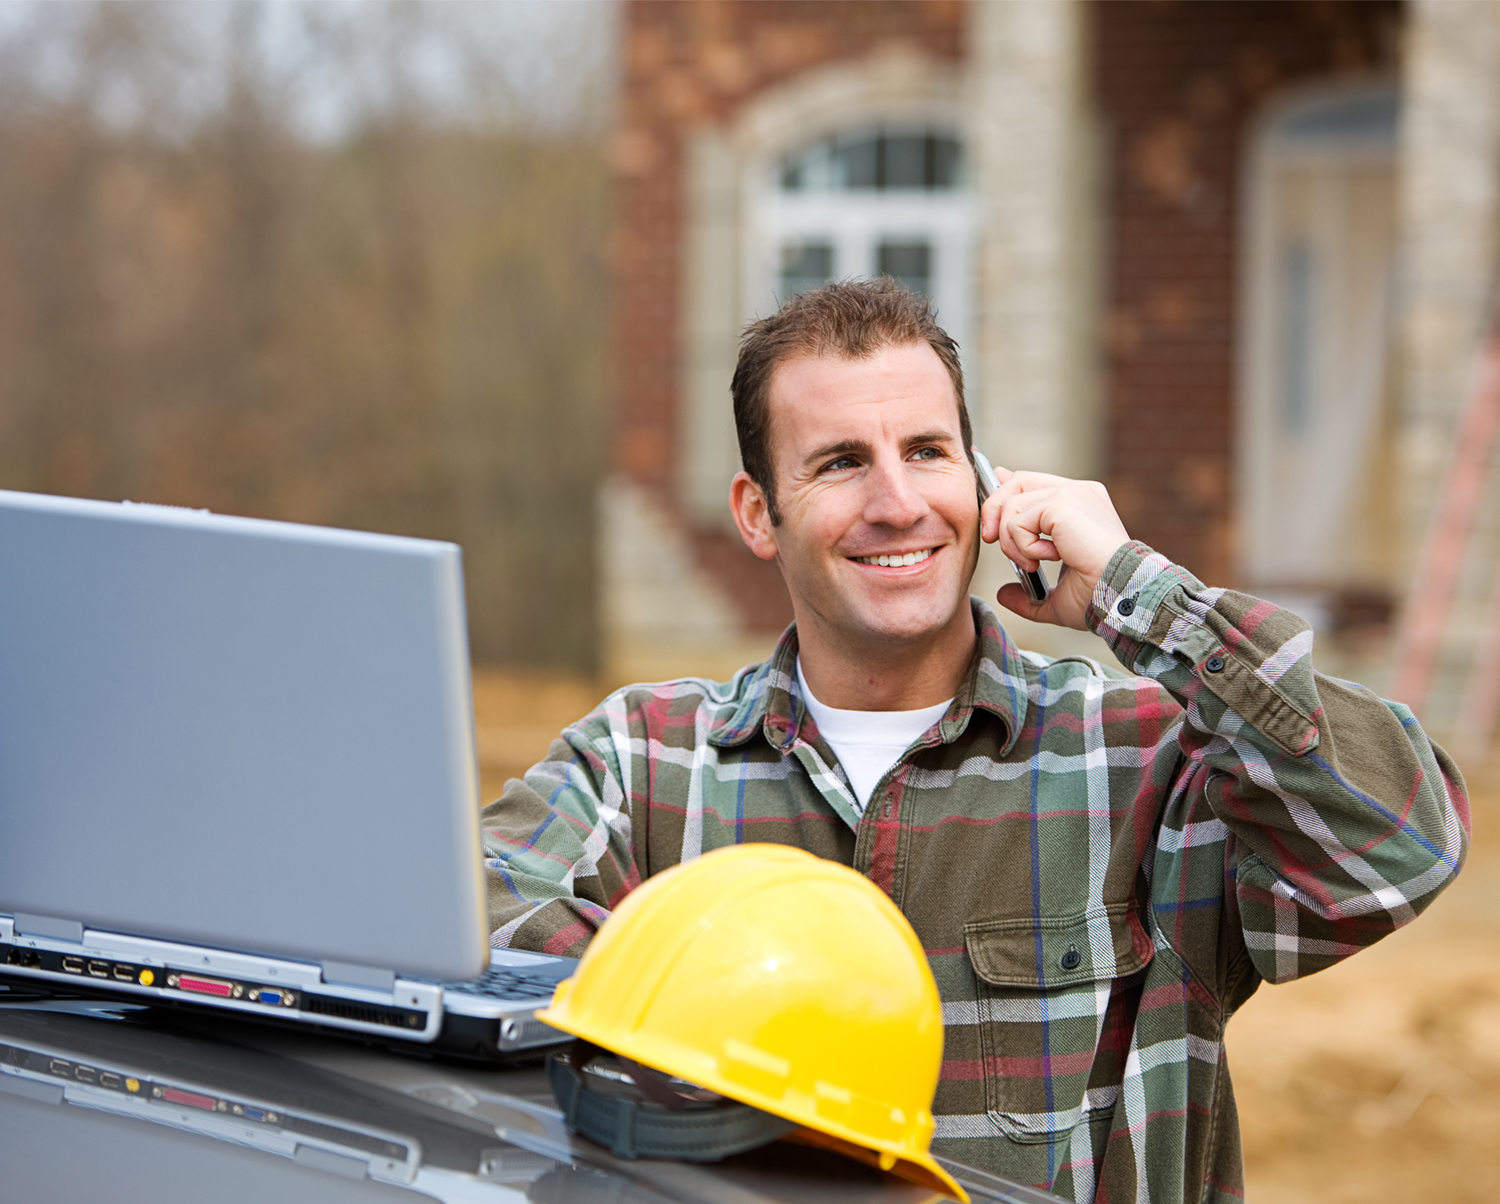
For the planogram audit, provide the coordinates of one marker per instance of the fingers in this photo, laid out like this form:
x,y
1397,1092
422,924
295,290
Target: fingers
x,y
989,517
1036,516
1006,507
1021,537
1016,520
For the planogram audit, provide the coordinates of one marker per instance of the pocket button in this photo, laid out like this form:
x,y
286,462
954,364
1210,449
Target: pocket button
x,y
1070,959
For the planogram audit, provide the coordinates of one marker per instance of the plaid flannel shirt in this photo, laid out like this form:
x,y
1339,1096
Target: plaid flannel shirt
x,y
1101,866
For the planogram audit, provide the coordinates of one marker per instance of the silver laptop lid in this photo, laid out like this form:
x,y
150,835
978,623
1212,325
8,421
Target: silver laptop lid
x,y
236,733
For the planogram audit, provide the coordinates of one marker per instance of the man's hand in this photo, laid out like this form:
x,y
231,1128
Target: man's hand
x,y
1036,516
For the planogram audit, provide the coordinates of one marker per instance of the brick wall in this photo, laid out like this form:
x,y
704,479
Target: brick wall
x,y
687,64
1177,84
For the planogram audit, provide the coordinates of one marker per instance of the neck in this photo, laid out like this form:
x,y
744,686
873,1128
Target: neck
x,y
875,676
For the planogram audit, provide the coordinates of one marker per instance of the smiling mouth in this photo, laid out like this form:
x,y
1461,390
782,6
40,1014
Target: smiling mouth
x,y
895,561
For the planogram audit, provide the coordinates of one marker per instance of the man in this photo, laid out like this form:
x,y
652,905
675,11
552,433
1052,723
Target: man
x,y
1101,866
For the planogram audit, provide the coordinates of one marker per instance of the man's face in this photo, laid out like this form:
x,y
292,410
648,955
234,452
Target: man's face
x,y
869,464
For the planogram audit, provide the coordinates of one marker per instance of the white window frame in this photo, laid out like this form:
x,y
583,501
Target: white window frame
x,y
855,222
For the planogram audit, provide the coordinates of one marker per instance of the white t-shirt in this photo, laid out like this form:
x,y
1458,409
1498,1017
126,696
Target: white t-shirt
x,y
867,743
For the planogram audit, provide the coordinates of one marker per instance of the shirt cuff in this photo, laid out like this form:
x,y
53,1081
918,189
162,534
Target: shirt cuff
x,y
1163,622
1134,583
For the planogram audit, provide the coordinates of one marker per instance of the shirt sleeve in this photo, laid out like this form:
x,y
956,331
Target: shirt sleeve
x,y
1322,814
557,843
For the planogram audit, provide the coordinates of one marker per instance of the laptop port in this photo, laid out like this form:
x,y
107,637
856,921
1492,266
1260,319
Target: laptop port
x,y
24,957
125,973
111,1080
193,1099
205,986
73,965
274,996
58,1066
99,969
85,1074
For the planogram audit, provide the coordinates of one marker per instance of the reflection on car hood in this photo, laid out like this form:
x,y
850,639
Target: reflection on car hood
x,y
109,1101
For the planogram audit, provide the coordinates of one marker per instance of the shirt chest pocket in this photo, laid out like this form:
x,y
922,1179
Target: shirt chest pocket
x,y
1044,990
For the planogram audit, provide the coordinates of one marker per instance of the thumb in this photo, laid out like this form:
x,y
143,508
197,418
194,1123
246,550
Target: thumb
x,y
1014,598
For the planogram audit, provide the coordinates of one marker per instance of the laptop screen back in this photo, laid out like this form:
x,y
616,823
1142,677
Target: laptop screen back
x,y
249,735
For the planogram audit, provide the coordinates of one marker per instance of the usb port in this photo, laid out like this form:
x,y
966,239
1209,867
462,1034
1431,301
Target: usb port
x,y
58,1066
73,965
99,969
125,973
111,1080
85,1074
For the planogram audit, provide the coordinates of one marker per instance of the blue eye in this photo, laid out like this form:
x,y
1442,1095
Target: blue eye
x,y
927,453
839,465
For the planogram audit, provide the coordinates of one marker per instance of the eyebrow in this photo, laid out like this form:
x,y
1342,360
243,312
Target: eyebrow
x,y
844,446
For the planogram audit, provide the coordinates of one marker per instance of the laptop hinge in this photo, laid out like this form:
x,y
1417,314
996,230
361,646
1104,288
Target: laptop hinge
x,y
349,975
49,926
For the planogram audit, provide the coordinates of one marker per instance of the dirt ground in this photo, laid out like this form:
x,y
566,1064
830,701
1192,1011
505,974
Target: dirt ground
x,y
1377,1081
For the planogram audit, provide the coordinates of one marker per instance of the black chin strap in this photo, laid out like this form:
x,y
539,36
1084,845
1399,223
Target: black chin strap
x,y
675,1128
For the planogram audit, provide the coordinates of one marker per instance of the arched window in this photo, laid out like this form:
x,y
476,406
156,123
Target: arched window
x,y
1319,259
887,199
847,170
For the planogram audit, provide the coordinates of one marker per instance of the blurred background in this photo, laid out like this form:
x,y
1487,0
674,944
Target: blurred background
x,y
477,272
335,263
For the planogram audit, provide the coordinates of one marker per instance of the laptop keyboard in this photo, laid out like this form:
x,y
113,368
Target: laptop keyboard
x,y
510,983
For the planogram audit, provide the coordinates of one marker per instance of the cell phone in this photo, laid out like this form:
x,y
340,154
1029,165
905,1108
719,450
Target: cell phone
x,y
1034,583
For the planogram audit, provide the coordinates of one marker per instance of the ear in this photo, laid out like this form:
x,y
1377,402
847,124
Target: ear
x,y
747,502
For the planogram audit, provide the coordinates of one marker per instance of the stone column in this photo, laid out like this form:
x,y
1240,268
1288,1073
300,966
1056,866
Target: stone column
x,y
1034,396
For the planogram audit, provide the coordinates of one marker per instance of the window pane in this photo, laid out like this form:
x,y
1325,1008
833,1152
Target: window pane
x,y
876,160
908,262
905,161
805,265
1297,317
947,162
861,164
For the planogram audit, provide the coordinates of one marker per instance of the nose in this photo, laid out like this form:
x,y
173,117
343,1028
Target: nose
x,y
892,498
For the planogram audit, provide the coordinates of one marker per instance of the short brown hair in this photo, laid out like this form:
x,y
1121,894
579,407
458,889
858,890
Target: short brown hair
x,y
853,320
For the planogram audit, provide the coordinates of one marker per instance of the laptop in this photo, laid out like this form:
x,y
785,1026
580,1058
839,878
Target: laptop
x,y
237,772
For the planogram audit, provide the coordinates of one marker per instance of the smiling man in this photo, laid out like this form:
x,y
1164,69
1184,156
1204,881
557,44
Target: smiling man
x,y
1102,865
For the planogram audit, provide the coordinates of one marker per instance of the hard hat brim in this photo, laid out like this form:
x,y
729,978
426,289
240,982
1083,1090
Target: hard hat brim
x,y
912,1165
923,1171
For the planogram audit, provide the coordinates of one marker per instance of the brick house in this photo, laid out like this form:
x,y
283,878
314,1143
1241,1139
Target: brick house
x,y
1233,259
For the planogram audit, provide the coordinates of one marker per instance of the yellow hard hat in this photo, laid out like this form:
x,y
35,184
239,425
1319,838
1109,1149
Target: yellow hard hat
x,y
781,980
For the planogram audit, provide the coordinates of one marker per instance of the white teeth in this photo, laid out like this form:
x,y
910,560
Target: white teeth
x,y
888,561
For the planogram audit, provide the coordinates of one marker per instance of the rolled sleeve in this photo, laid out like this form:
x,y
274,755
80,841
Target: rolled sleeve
x,y
1342,820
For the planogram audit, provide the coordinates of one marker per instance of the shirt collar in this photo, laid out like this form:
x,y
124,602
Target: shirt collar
x,y
771,702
